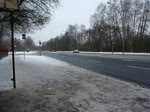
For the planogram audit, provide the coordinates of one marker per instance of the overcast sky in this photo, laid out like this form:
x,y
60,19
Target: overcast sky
x,y
69,12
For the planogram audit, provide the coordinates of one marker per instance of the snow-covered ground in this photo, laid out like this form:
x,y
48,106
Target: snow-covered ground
x,y
127,53
48,85
22,52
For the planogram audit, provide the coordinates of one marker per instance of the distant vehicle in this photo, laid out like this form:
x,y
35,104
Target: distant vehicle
x,y
54,51
76,51
27,50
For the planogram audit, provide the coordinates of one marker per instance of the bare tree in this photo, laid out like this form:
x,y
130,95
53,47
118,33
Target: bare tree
x,y
31,15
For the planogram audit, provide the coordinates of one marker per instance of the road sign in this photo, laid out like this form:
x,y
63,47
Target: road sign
x,y
23,36
40,43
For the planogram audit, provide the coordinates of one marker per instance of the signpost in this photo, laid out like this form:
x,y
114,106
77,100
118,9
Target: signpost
x,y
40,43
113,43
10,6
24,37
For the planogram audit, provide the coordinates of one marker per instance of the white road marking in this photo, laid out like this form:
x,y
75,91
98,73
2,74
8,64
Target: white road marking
x,y
128,60
138,67
64,56
74,58
95,61
88,60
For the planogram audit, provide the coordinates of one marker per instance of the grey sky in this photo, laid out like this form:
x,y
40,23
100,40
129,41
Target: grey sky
x,y
70,12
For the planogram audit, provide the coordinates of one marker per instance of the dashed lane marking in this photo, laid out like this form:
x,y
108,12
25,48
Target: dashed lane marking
x,y
138,67
95,61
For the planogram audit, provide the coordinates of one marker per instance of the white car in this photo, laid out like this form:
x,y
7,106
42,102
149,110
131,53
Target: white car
x,y
76,51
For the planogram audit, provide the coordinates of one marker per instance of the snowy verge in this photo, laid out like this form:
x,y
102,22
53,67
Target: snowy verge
x,y
119,53
48,85
22,52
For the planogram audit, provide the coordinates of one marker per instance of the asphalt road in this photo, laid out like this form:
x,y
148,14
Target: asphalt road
x,y
130,68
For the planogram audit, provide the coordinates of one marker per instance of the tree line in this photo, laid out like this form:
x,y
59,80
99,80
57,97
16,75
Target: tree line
x,y
121,24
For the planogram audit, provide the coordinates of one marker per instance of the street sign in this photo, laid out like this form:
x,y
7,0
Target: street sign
x,y
23,36
40,43
9,4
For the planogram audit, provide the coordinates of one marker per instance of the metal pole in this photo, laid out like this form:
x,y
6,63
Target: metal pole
x,y
112,48
24,54
40,51
123,45
24,50
13,54
40,47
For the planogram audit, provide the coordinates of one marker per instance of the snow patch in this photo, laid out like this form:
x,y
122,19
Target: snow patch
x,y
42,60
